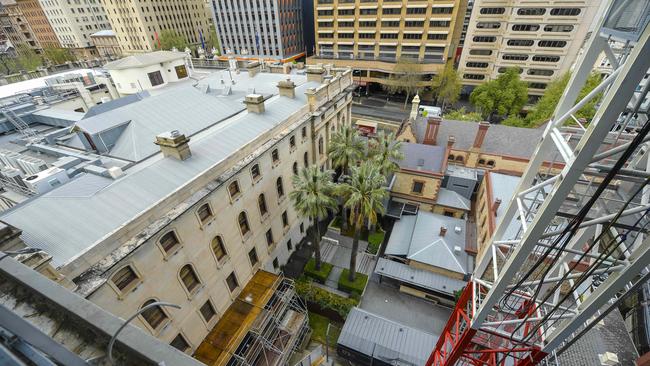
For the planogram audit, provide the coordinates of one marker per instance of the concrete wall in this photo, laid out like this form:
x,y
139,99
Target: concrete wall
x,y
131,81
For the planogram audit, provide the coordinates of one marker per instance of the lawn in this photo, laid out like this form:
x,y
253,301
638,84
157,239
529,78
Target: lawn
x,y
374,241
318,324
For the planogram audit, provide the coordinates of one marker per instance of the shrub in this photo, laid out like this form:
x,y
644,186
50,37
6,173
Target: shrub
x,y
355,287
325,299
319,276
462,115
374,241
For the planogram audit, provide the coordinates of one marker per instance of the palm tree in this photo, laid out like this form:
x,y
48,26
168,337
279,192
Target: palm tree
x,y
312,196
385,151
364,192
346,148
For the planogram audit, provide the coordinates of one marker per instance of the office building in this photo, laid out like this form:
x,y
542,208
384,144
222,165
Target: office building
x,y
138,25
35,16
202,203
74,22
542,40
255,29
16,28
106,43
372,36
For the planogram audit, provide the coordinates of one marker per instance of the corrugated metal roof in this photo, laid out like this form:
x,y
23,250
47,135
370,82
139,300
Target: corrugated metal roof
x,y
422,157
385,340
450,198
426,279
418,238
66,227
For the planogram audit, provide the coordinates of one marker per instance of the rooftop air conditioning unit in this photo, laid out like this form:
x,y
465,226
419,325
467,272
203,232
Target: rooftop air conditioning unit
x,y
457,250
458,229
608,359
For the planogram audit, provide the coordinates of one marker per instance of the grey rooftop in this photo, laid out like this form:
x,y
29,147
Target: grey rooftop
x,y
418,277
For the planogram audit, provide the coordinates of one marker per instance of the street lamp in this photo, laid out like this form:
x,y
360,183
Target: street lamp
x,y
109,348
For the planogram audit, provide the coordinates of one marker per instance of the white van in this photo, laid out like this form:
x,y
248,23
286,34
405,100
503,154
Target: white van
x,y
430,111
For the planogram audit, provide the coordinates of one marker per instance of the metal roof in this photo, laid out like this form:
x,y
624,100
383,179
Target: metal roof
x,y
419,277
422,157
417,237
385,340
144,59
104,33
67,225
450,198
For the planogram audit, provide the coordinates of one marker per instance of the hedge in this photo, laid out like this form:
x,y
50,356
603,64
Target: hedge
x,y
355,287
374,241
319,276
325,299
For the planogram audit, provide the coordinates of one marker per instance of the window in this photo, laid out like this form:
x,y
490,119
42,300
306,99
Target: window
x,y
302,228
565,11
154,316
320,146
295,168
481,65
552,44
279,187
540,72
218,248
242,219
449,213
169,241
276,263
493,10
181,71
180,343
531,11
459,158
537,85
292,142
304,132
488,25
269,237
502,70
189,278
285,219
125,278
520,42
252,256
436,23
289,245
306,159
233,189
418,187
484,39
436,36
514,57
231,280
565,28
525,27
205,213
155,78
480,52
473,76
275,156
207,311
255,171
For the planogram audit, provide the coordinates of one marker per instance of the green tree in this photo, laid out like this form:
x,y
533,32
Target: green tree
x,y
447,85
385,151
543,110
212,41
170,39
503,96
346,148
364,192
27,58
312,196
403,79
462,114
58,55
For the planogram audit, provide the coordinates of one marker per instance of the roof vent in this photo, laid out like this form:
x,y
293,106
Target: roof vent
x,y
458,229
115,172
457,250
420,162
608,359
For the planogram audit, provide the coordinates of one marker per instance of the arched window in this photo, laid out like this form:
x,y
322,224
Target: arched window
x,y
280,187
320,146
261,202
233,189
306,158
451,157
295,168
189,278
155,316
125,278
169,241
490,163
243,223
204,212
218,248
481,161
459,158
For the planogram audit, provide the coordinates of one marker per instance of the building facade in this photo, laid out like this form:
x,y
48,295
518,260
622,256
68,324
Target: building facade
x,y
16,28
543,40
35,16
209,213
260,29
138,24
106,43
372,36
74,22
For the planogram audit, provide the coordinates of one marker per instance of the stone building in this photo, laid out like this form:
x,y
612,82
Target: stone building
x,y
16,28
35,16
192,217
372,36
106,43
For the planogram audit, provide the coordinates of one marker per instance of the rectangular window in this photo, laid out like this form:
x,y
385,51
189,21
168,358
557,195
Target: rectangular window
x,y
255,171
252,256
181,71
155,78
232,282
289,245
207,311
276,263
418,187
269,237
285,219
275,156
180,343
292,141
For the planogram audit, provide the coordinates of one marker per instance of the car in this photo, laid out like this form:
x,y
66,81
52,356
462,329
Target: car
x,y
427,110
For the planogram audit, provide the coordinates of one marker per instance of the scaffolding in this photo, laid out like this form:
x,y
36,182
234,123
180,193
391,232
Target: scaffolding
x,y
579,243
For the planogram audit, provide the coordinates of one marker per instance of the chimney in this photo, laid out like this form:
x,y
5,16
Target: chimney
x,y
431,134
287,88
253,68
174,144
451,140
415,107
316,74
496,205
254,103
480,134
443,231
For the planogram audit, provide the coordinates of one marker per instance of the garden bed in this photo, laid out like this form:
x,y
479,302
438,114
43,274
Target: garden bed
x,y
355,287
374,241
318,276
318,325
325,303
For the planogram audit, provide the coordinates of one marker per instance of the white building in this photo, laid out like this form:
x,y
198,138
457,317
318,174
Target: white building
x,y
147,71
74,21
